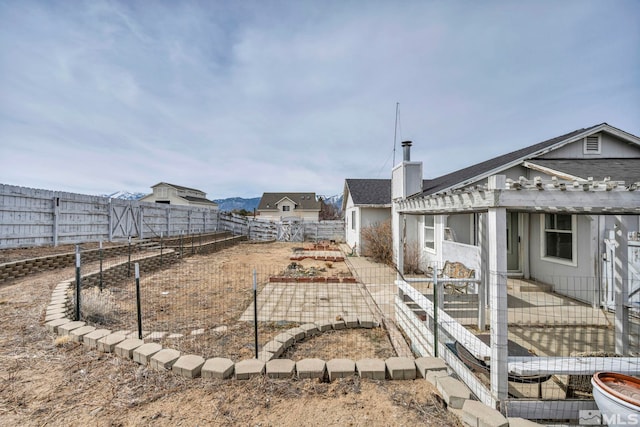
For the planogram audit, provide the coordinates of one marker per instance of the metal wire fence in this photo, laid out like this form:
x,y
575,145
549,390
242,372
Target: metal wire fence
x,y
204,304
559,329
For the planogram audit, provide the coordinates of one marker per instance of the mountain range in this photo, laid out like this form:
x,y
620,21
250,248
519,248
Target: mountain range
x,y
228,204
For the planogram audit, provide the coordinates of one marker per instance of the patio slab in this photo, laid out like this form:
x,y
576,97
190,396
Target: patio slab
x,y
309,302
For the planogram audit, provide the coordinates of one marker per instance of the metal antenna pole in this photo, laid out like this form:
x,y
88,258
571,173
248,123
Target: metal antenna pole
x,y
395,132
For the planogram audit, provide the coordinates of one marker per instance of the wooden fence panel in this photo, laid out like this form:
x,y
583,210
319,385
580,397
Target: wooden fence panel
x,y
80,218
33,217
26,216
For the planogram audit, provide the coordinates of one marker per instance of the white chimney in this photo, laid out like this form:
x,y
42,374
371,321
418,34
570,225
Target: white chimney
x,y
406,178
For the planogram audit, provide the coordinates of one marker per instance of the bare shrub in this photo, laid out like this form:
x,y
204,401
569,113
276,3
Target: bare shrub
x,y
378,242
98,307
412,259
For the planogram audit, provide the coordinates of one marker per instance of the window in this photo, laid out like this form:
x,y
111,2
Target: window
x,y
591,145
353,220
286,208
430,232
558,237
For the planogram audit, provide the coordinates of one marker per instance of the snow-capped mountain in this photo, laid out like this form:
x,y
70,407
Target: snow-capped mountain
x,y
125,195
237,203
335,200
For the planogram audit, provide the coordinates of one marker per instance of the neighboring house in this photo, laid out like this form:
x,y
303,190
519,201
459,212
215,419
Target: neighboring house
x,y
554,235
365,202
288,206
177,195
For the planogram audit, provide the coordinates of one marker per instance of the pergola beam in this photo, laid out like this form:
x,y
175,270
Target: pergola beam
x,y
556,196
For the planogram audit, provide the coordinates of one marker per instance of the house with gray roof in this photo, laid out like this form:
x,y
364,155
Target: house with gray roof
x,y
172,194
289,206
365,202
544,240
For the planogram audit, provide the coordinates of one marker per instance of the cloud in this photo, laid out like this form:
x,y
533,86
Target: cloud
x,y
241,98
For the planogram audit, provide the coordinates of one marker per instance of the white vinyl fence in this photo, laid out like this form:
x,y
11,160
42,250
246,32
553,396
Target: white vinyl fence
x,y
288,231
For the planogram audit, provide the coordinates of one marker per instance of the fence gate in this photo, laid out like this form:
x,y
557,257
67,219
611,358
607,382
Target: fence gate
x,y
634,273
290,231
124,220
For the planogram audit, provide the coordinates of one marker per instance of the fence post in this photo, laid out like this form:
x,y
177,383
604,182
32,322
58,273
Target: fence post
x,y
111,208
255,308
141,224
56,212
161,244
100,255
78,283
138,305
435,312
129,259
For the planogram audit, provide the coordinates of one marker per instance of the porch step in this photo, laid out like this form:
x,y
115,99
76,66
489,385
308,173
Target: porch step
x,y
523,286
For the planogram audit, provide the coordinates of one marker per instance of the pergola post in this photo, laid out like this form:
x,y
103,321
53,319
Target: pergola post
x,y
497,251
621,285
484,269
400,226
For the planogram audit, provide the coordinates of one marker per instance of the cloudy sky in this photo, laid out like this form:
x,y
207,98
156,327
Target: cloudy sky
x,y
240,97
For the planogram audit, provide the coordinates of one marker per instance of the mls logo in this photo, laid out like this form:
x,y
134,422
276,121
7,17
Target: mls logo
x,y
590,417
594,417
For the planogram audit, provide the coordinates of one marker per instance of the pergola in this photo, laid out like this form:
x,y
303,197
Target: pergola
x,y
493,201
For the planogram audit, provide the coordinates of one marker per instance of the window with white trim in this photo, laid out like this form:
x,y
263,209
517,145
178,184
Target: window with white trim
x,y
286,208
591,145
559,237
353,220
430,232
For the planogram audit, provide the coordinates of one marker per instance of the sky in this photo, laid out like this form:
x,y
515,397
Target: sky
x,y
237,98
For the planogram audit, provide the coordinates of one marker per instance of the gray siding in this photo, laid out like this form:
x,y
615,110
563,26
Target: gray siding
x,y
581,281
611,147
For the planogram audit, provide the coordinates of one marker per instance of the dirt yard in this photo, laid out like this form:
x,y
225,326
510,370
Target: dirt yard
x,y
48,382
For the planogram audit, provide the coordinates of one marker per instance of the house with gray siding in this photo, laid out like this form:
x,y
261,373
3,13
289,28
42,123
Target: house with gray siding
x,y
365,202
548,246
